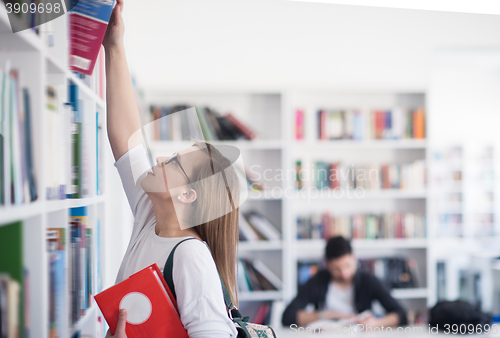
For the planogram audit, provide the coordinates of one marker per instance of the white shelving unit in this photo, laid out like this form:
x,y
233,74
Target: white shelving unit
x,y
39,66
355,152
277,150
467,248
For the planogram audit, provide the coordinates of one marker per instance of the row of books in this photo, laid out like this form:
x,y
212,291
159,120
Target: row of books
x,y
18,181
214,126
14,283
81,267
338,175
69,130
77,255
356,124
395,272
254,275
255,227
362,226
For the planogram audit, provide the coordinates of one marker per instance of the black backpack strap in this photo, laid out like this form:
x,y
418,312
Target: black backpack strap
x,y
169,265
167,274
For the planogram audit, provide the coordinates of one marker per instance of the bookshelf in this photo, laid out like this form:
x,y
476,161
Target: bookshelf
x,y
345,201
276,149
40,65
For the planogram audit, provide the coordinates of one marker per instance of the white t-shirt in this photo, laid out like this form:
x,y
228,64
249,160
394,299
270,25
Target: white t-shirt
x,y
197,285
340,299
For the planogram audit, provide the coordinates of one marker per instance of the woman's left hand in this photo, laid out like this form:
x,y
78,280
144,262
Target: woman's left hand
x,y
120,327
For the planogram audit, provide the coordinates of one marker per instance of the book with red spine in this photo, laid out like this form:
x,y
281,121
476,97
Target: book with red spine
x,y
385,177
322,125
151,307
299,124
247,132
101,73
379,124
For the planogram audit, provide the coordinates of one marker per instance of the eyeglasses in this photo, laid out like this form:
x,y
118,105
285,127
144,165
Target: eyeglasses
x,y
175,158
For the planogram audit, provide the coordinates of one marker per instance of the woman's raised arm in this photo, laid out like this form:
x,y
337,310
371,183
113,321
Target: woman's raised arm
x,y
122,113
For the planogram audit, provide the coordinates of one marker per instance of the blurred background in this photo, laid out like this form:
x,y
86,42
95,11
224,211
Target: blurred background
x,y
408,97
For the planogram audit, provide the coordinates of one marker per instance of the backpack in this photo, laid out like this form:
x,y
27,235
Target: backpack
x,y
456,312
244,328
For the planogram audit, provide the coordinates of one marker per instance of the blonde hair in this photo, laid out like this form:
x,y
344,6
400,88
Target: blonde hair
x,y
220,234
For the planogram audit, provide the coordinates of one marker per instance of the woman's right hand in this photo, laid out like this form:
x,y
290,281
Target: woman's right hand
x,y
120,327
116,27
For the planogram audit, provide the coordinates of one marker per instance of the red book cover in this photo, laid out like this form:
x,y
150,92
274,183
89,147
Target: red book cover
x,y
261,313
322,125
299,124
334,176
385,177
88,22
241,127
325,220
151,309
101,73
379,124
399,227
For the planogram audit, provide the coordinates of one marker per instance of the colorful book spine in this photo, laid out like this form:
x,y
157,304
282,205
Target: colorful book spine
x,y
299,124
75,190
56,245
78,225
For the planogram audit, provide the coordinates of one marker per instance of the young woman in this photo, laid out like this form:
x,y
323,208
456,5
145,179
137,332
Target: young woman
x,y
158,226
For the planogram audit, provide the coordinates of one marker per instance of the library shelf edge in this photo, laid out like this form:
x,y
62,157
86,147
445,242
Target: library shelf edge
x,y
259,245
354,194
300,146
166,146
410,293
259,295
360,244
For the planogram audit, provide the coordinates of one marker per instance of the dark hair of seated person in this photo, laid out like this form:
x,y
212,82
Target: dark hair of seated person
x,y
337,247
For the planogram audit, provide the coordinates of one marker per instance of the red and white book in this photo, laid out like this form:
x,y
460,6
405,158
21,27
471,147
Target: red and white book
x,y
151,308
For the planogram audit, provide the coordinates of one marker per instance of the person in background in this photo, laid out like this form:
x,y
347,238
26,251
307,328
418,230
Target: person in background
x,y
342,291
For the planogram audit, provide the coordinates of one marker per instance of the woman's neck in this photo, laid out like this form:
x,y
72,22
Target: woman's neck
x,y
167,222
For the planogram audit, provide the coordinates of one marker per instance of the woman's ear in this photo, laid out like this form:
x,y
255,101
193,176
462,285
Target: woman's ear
x,y
188,196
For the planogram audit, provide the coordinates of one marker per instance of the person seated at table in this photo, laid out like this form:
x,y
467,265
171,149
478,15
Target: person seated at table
x,y
342,291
